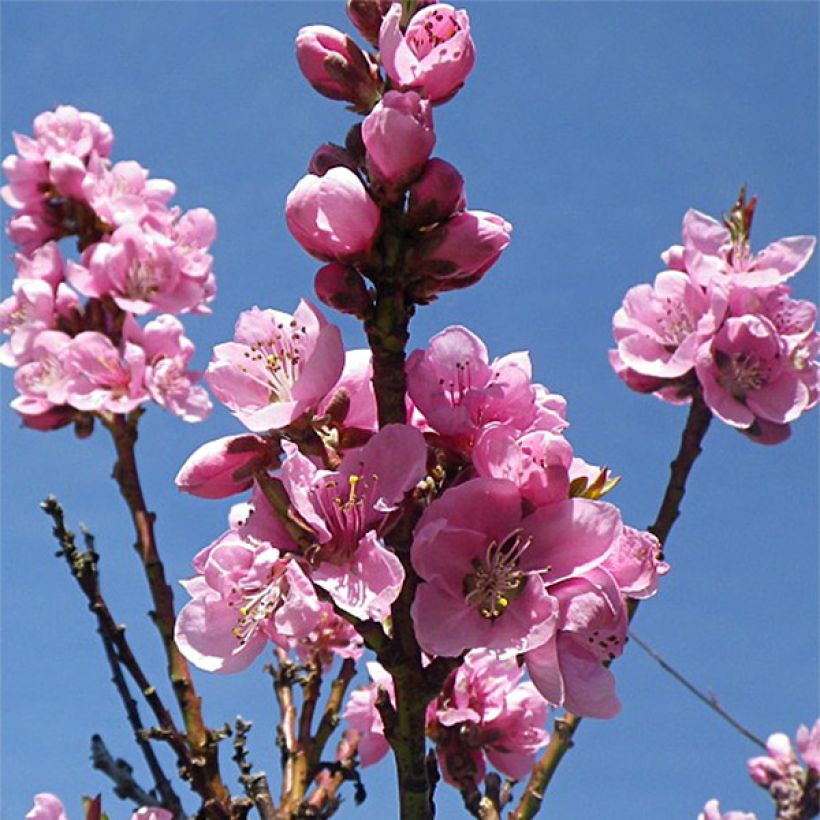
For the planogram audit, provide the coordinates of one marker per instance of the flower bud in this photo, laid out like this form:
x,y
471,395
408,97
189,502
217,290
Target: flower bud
x,y
332,216
329,156
337,68
434,55
367,16
223,467
342,288
436,195
459,252
398,137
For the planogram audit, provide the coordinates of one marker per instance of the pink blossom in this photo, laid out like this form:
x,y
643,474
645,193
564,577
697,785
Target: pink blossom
x,y
43,380
333,216
278,367
436,195
569,670
246,594
45,264
122,193
223,467
398,136
808,744
459,390
143,270
485,566
167,377
658,329
332,636
30,228
27,178
711,811
343,288
102,378
345,509
363,715
152,813
458,252
433,56
354,391
336,67
746,374
46,807
536,462
636,564
23,316
484,709
66,131
710,252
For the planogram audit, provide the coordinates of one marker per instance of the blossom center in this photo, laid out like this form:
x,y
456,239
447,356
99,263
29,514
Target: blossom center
x,y
438,28
496,580
257,604
280,358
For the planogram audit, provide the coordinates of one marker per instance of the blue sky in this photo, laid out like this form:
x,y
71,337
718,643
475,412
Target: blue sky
x,y
591,127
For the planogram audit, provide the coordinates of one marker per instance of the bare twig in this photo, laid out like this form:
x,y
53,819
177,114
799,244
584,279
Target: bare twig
x,y
697,423
83,566
330,717
121,773
710,700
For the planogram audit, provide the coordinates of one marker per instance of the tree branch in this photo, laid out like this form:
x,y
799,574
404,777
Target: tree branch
x,y
206,778
710,700
83,566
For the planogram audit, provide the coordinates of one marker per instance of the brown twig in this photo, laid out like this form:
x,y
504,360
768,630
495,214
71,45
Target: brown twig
x,y
206,779
121,773
333,706
710,700
83,566
323,800
697,423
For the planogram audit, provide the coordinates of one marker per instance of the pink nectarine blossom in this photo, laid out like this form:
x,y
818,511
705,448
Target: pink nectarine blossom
x,y
710,252
247,593
346,507
278,367
433,56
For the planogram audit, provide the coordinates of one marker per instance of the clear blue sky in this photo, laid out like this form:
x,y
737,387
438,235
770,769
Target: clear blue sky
x,y
592,127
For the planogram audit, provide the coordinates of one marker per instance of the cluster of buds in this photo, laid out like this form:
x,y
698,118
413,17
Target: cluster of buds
x,y
721,320
75,357
381,203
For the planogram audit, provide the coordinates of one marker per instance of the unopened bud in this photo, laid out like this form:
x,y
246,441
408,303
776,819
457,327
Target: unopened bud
x,y
436,195
337,68
342,288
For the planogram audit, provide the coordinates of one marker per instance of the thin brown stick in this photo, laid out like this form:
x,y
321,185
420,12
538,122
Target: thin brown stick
x,y
697,423
710,700
206,777
83,566
333,706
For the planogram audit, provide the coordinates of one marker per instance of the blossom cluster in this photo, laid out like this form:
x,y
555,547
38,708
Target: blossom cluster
x,y
720,319
794,789
138,255
515,550
485,712
519,566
